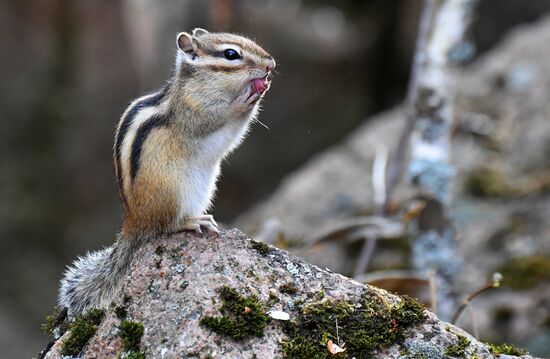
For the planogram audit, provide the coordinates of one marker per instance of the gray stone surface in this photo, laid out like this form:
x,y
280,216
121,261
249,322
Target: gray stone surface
x,y
171,290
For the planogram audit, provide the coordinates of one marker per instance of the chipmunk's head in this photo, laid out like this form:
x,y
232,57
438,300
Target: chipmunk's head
x,y
222,68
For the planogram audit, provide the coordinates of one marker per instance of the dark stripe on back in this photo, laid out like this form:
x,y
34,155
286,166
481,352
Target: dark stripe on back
x,y
141,135
125,125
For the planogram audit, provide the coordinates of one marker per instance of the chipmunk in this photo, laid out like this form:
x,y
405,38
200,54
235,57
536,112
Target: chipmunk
x,y
167,153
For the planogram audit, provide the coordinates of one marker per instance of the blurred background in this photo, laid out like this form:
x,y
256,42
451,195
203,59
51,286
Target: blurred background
x,y
69,68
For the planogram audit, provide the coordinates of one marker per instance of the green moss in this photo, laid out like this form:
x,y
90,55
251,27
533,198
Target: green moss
x,y
261,247
525,272
49,324
159,250
302,347
285,242
130,333
288,288
363,327
458,350
81,330
404,352
56,320
273,298
507,349
486,182
243,317
120,312
134,355
320,295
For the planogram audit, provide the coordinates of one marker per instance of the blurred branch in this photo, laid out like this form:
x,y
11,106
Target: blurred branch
x,y
379,175
392,170
430,108
395,167
354,229
433,291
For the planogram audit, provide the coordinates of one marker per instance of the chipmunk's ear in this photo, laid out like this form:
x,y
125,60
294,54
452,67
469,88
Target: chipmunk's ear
x,y
198,32
185,43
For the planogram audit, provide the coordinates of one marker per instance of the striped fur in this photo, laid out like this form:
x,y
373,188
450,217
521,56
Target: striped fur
x,y
167,152
141,136
124,124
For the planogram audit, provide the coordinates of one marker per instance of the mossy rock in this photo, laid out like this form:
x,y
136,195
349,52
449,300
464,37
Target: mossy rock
x,y
243,317
131,333
361,327
506,349
458,349
81,330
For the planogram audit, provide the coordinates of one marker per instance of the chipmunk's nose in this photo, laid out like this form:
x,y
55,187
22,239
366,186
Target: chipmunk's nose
x,y
270,64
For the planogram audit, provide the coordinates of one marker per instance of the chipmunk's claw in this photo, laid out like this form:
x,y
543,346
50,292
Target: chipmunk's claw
x,y
197,223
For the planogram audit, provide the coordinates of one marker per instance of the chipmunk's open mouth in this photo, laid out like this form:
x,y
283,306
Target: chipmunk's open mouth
x,y
261,84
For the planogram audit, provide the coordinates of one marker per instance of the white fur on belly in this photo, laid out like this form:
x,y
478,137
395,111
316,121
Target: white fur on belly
x,y
197,189
199,177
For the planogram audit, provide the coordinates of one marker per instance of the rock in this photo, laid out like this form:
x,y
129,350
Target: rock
x,y
170,304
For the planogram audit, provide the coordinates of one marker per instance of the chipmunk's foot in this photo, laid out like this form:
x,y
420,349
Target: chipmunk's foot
x,y
197,223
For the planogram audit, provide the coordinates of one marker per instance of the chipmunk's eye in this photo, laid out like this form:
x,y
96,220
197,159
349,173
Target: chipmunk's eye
x,y
231,54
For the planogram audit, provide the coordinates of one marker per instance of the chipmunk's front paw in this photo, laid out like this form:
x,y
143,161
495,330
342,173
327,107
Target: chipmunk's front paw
x,y
197,223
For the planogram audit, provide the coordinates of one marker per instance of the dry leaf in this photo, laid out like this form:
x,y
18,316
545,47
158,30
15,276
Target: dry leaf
x,y
247,310
413,210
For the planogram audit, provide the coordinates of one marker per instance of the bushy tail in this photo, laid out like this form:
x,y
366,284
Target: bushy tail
x,y
93,280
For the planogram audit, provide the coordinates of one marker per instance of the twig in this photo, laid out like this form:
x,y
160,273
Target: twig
x,y
395,167
379,176
337,335
473,318
379,167
497,277
433,291
354,229
366,254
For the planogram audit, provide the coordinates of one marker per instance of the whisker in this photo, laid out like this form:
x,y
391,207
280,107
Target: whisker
x,y
261,123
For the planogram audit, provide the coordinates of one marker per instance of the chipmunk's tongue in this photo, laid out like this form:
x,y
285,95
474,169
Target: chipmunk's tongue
x,y
260,85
